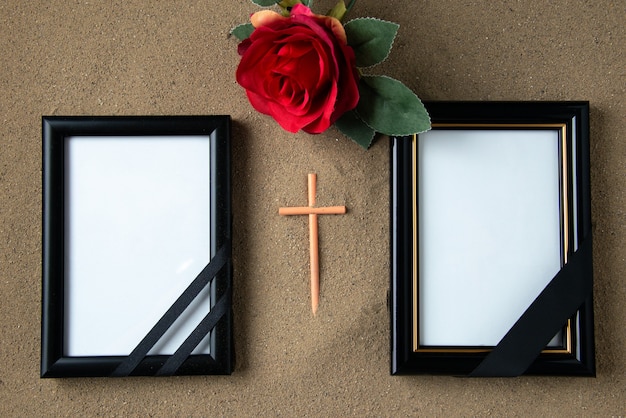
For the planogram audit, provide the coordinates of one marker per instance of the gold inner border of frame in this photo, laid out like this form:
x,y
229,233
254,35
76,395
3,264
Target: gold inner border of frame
x,y
564,228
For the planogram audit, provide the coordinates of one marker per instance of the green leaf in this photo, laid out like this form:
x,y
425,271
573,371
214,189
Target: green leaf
x,y
389,107
243,31
264,3
354,128
338,11
371,39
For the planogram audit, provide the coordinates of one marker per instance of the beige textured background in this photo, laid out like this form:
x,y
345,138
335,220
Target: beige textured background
x,y
136,57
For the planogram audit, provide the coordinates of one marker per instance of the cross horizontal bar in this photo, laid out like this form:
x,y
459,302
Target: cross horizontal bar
x,y
306,210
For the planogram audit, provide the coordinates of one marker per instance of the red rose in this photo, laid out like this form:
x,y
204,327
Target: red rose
x,y
298,69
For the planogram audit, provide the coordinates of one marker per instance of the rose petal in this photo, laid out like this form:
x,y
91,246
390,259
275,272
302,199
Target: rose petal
x,y
337,28
330,22
301,9
265,17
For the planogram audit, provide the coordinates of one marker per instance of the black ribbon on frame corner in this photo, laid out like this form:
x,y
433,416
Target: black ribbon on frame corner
x,y
131,362
541,321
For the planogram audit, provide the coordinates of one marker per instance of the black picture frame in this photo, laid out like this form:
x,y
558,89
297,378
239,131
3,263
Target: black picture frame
x,y
70,141
565,305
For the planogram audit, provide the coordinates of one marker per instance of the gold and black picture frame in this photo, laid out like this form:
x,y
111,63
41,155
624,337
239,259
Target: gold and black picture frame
x,y
137,271
491,242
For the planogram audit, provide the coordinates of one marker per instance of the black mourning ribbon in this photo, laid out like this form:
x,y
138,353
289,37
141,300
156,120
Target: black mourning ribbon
x,y
217,311
532,332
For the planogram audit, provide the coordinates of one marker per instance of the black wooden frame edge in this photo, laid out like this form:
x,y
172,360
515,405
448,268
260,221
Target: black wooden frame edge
x,y
403,359
54,130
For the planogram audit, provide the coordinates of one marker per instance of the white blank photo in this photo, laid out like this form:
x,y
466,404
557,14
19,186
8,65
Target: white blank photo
x,y
489,230
137,234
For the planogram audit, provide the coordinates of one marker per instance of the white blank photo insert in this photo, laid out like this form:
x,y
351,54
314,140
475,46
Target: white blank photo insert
x,y
137,234
489,230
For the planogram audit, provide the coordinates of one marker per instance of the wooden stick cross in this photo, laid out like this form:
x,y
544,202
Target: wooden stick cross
x,y
312,211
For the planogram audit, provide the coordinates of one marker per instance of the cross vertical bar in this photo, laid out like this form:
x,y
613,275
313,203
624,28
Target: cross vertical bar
x,y
314,246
